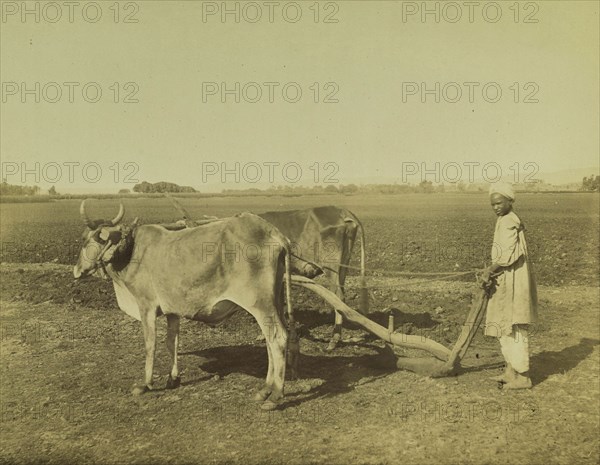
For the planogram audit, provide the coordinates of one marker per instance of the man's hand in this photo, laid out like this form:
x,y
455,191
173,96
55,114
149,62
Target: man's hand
x,y
484,278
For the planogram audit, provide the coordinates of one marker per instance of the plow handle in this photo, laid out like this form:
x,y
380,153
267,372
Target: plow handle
x,y
469,329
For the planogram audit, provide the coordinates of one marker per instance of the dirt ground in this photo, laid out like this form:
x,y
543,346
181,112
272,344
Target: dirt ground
x,y
69,358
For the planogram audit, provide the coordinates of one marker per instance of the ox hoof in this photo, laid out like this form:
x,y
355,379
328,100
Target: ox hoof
x,y
335,339
332,345
261,395
173,383
139,390
268,405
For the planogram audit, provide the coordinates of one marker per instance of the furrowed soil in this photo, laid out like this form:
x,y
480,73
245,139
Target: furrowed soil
x,y
69,357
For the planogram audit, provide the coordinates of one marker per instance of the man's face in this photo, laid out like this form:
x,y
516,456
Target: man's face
x,y
500,204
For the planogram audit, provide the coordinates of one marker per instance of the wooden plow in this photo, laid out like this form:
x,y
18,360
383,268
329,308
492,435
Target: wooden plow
x,y
446,361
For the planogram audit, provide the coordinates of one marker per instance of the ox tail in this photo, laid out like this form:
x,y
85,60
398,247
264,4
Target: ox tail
x,y
288,285
286,246
363,303
293,343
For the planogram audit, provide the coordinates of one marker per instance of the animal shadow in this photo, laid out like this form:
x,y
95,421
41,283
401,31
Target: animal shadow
x,y
335,373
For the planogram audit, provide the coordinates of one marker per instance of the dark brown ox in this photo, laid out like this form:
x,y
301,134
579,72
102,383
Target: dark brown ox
x,y
325,236
204,273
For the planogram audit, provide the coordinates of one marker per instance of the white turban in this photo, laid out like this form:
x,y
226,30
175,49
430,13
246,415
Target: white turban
x,y
503,188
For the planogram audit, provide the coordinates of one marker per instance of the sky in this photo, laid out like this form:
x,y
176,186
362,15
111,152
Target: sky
x,y
226,95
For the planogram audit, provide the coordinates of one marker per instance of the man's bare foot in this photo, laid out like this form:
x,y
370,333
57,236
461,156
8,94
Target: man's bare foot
x,y
521,381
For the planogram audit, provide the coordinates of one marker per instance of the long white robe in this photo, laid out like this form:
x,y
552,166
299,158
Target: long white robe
x,y
514,299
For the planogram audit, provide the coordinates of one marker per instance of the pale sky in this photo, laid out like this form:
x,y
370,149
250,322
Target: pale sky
x,y
376,59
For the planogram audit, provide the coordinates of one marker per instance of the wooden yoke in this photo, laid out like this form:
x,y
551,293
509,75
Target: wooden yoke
x,y
185,215
187,219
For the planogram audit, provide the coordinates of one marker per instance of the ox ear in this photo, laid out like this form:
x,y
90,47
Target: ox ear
x,y
110,233
104,234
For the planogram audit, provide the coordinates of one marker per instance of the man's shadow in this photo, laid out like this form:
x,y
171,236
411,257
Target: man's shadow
x,y
550,363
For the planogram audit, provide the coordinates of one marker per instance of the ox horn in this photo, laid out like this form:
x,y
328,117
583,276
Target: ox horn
x,y
86,219
117,219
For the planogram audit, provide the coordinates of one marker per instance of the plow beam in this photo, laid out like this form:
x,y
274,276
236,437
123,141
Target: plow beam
x,y
403,340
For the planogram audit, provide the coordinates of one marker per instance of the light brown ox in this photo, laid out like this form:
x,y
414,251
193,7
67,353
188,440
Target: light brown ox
x,y
204,273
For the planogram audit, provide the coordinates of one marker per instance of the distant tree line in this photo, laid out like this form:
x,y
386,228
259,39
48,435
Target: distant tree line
x,y
161,187
591,184
8,189
425,187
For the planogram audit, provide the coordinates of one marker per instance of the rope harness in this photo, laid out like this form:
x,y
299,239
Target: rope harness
x,y
111,248
440,275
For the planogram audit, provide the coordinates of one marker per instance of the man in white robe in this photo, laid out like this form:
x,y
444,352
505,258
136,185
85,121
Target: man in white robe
x,y
512,304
